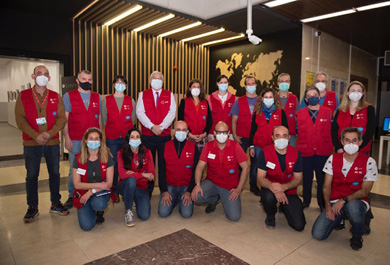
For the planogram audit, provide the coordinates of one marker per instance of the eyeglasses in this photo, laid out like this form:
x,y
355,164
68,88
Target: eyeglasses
x,y
222,132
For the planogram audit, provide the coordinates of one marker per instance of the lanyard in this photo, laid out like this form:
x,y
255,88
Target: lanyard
x,y
43,102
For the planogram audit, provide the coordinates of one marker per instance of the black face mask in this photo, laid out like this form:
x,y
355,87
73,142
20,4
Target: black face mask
x,y
85,86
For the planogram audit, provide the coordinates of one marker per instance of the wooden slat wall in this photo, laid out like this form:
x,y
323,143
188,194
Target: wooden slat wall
x,y
107,51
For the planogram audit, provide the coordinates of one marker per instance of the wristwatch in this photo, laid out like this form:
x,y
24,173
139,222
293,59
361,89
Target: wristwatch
x,y
93,191
345,199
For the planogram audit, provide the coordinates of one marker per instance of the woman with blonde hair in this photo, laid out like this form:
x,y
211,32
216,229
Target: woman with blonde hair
x,y
93,171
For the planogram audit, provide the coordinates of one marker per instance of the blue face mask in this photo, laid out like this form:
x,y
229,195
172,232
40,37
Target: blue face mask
x,y
313,101
180,136
93,145
251,89
223,87
135,143
284,86
120,87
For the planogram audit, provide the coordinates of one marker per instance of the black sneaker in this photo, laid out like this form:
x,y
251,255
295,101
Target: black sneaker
x,y
99,217
340,226
356,243
211,207
29,217
255,190
270,222
69,203
59,209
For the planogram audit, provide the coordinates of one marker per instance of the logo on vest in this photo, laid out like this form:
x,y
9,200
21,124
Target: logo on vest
x,y
164,101
188,154
361,129
188,166
204,117
126,107
276,117
291,164
95,104
53,100
230,158
355,183
230,105
127,117
289,176
291,115
330,103
54,113
231,171
323,120
96,116
203,107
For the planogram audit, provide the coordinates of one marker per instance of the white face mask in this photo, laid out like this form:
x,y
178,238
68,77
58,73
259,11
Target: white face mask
x,y
351,148
355,96
321,86
221,138
156,84
180,136
281,143
195,92
41,80
268,102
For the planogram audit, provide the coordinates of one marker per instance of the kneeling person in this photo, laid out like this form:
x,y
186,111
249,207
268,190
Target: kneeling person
x,y
279,174
176,173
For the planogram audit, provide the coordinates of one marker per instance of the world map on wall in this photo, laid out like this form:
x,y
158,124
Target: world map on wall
x,y
263,66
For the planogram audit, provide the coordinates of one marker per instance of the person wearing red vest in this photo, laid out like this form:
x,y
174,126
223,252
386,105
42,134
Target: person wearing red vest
x,y
39,114
290,105
93,172
221,103
354,111
136,170
156,110
348,181
118,116
195,111
242,112
328,98
82,110
222,157
279,174
176,173
314,143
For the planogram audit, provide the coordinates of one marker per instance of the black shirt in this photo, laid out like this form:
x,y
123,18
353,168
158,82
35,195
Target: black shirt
x,y
282,161
93,168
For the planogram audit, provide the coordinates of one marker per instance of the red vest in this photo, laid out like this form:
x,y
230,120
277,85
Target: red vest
x,y
31,113
156,114
178,171
142,183
221,113
118,123
330,100
223,171
80,119
263,135
276,174
358,120
315,138
244,120
289,109
344,186
195,119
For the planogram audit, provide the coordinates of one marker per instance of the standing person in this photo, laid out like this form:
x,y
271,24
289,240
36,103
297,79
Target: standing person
x,y
348,181
93,172
314,143
222,157
221,103
118,116
328,98
136,170
279,174
82,110
156,110
195,111
39,114
242,113
290,105
176,173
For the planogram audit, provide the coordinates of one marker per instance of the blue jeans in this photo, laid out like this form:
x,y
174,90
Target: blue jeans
x,y
76,149
354,210
32,156
115,145
211,192
176,193
293,140
86,214
252,172
128,189
254,163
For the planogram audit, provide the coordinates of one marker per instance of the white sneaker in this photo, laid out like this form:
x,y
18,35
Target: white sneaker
x,y
129,218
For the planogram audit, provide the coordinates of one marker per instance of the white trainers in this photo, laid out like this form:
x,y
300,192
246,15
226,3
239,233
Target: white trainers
x,y
129,221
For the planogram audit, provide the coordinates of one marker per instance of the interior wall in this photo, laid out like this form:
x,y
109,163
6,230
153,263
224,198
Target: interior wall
x,y
3,95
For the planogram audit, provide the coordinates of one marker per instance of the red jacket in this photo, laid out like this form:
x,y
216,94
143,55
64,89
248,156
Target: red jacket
x,y
315,138
263,135
195,118
80,119
156,114
219,112
345,186
330,101
276,174
244,119
289,109
118,123
30,110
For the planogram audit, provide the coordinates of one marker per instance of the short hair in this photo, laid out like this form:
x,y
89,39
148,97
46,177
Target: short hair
x,y
83,72
321,73
273,130
119,77
219,78
351,130
41,65
284,74
156,72
250,77
311,88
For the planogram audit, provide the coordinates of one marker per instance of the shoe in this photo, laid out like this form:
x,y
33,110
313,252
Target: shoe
x,y
356,243
129,221
99,217
211,207
116,198
340,226
270,222
255,190
59,209
29,217
69,203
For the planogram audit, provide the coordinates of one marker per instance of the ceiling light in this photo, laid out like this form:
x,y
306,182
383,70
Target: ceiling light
x,y
364,8
335,14
180,29
204,35
123,15
223,40
278,2
155,22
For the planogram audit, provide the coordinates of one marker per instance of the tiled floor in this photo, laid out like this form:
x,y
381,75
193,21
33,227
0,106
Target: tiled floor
x,y
10,140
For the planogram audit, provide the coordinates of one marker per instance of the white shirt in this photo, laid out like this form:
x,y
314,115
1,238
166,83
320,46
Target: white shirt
x,y
223,98
141,115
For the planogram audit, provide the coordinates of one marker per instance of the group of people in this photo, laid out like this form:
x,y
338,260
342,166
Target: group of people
x,y
287,142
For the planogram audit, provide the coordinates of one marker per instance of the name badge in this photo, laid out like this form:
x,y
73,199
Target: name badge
x,y
211,156
41,121
270,165
81,171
